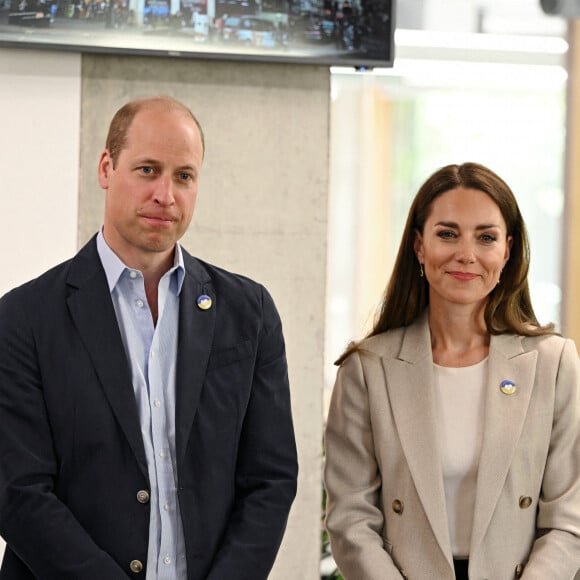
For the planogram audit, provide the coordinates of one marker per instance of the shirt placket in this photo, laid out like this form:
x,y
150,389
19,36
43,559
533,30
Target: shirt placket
x,y
161,445
163,465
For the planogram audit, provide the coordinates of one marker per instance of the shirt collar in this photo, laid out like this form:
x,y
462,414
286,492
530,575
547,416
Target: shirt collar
x,y
114,266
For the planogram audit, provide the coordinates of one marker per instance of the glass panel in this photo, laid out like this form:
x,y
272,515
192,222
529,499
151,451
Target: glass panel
x,y
507,115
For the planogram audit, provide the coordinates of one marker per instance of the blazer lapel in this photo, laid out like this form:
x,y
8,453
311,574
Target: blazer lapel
x,y
196,330
411,390
93,314
504,418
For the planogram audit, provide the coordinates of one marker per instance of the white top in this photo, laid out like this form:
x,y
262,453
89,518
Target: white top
x,y
460,405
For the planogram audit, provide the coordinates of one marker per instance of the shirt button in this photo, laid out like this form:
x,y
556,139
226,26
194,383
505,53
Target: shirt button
x,y
136,566
162,454
133,274
166,507
139,303
157,403
143,496
167,560
525,502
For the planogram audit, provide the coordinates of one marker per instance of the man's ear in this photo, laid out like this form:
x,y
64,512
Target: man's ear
x,y
104,169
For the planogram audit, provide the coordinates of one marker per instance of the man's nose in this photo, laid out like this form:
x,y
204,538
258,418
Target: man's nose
x,y
163,194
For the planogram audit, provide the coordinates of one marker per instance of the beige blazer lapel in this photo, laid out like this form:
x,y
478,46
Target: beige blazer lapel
x,y
504,419
410,381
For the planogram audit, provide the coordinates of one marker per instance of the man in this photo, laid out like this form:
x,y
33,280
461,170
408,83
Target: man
x,y
145,426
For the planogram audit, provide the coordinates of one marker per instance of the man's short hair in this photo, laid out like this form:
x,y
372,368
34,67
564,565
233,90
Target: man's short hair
x,y
121,122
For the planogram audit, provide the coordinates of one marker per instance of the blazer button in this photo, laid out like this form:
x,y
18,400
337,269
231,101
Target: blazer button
x,y
143,496
525,501
519,571
398,506
136,566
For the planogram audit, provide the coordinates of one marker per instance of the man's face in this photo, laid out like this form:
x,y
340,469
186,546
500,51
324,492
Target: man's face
x,y
151,191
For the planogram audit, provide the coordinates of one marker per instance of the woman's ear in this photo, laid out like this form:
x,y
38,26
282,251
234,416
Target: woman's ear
x,y
418,246
508,248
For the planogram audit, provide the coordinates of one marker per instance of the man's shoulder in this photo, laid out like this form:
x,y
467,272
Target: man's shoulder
x,y
221,278
53,280
46,281
34,302
238,296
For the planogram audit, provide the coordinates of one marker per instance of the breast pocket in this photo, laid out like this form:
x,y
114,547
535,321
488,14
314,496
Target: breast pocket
x,y
227,356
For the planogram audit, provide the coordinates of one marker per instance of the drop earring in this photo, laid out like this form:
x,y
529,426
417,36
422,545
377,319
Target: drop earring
x,y
421,273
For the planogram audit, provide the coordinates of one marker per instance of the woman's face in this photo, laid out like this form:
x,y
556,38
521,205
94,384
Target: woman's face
x,y
463,247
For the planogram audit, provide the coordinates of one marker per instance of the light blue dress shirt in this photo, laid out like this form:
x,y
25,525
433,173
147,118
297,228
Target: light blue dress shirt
x,y
152,354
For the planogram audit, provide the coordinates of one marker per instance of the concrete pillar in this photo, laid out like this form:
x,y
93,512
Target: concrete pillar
x,y
261,211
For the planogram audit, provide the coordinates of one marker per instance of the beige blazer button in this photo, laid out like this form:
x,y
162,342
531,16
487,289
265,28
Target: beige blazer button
x,y
143,496
136,566
519,571
398,506
525,501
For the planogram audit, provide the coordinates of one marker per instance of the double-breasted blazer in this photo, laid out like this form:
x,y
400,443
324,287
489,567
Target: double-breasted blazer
x,y
386,513
72,460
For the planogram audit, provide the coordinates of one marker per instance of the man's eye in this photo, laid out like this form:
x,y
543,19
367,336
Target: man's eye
x,y
146,170
185,176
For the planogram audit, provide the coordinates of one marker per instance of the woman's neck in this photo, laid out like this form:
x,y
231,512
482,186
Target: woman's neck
x,y
459,336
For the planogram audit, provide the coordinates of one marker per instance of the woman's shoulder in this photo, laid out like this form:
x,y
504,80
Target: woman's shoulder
x,y
382,345
552,346
384,340
548,347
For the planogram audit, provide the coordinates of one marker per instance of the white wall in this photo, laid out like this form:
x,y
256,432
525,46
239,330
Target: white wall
x,y
39,151
39,155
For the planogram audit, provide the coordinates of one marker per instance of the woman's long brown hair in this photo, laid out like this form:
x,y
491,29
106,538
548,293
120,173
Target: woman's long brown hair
x,y
509,308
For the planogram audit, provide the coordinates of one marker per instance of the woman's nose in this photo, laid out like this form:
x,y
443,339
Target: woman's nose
x,y
465,253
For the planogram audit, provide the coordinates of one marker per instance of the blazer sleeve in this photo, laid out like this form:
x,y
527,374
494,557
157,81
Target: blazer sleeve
x,y
36,525
267,468
556,551
354,519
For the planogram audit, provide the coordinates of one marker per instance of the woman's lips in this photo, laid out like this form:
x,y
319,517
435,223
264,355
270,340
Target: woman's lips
x,y
463,276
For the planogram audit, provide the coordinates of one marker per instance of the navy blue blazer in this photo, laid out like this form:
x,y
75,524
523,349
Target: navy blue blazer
x,y
71,454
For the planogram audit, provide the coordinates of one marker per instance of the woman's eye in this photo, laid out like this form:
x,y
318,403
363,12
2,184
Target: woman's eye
x,y
446,234
488,238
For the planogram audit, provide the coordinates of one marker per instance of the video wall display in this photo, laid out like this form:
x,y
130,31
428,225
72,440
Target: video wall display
x,y
335,32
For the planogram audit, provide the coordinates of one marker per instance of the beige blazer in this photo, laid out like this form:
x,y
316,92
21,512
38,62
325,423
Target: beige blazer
x,y
386,513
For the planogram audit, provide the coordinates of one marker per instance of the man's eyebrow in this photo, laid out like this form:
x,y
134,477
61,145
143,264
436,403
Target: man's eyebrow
x,y
146,161
151,161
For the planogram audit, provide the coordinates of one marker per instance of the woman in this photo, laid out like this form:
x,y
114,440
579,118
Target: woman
x,y
453,437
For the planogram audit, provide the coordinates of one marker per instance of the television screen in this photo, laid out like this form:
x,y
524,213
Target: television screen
x,y
355,33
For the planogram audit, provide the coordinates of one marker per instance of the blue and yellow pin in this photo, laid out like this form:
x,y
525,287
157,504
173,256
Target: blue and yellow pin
x,y
508,387
204,302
